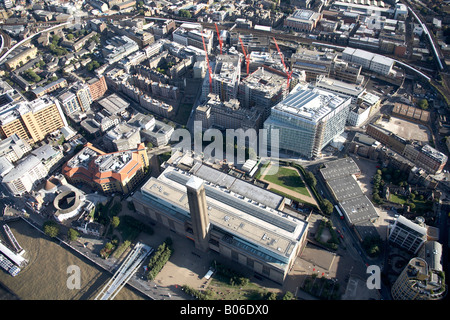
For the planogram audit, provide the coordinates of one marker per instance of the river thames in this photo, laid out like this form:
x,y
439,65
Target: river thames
x,y
45,277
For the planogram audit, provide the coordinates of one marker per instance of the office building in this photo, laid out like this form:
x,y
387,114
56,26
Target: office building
x,y
308,119
154,131
407,234
313,63
194,36
48,155
340,88
31,120
118,47
263,89
368,60
108,172
251,235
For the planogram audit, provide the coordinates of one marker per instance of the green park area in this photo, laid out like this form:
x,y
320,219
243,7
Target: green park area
x,y
288,178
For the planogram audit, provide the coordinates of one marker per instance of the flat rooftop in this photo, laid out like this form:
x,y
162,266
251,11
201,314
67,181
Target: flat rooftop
x,y
345,188
272,230
215,177
310,103
359,209
339,168
405,129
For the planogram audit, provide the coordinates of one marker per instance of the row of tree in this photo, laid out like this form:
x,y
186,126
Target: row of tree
x,y
159,259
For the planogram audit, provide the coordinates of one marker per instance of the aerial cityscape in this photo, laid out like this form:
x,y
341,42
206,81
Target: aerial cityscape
x,y
196,150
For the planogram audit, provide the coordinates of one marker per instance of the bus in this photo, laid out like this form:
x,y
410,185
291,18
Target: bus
x,y
340,212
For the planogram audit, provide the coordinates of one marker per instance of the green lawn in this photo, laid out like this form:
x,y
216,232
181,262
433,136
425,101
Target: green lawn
x,y
290,179
397,199
220,290
421,205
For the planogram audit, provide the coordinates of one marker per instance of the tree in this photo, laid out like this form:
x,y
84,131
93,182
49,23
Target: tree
x,y
423,104
184,13
51,228
327,206
310,179
115,221
72,234
288,296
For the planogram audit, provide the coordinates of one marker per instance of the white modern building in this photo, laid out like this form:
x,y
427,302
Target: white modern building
x,y
25,175
408,234
308,119
368,60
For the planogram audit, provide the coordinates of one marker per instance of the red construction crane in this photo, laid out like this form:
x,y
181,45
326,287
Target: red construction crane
x,y
207,62
289,74
220,39
246,56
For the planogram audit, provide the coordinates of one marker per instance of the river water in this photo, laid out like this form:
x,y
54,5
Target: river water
x,y
45,276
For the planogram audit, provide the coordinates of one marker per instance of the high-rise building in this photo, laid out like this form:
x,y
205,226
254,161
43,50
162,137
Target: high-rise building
x,y
419,281
199,213
78,98
308,119
31,120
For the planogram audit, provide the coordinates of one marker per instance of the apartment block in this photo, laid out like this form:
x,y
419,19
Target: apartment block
x,y
77,98
31,120
419,281
97,87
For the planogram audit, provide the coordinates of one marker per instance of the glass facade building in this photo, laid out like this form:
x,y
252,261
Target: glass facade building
x,y
308,119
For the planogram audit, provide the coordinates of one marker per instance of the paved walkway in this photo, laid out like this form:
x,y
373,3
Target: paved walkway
x,y
285,190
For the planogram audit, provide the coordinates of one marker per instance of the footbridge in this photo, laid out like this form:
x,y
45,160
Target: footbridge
x,y
126,270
